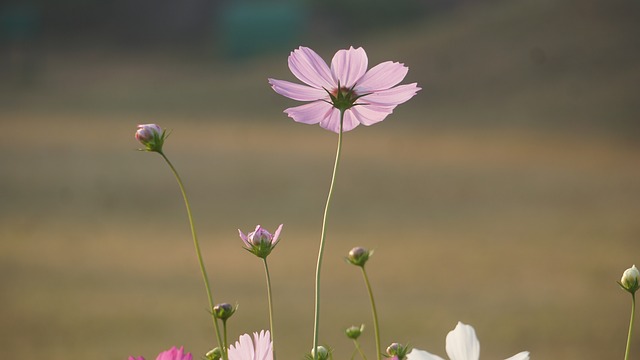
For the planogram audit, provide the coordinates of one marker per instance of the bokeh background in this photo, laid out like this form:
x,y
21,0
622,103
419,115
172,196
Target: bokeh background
x,y
506,194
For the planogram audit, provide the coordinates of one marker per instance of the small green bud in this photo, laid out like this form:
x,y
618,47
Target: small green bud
x,y
629,280
358,256
223,311
323,353
214,354
354,332
398,350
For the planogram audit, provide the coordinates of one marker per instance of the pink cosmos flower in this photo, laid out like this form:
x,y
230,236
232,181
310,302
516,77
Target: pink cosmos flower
x,y
366,97
260,348
171,354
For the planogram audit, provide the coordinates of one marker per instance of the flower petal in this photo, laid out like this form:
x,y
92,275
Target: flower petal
x,y
416,354
332,121
348,66
311,113
243,349
520,356
462,343
350,121
309,68
263,345
276,236
371,114
296,91
382,76
393,96
244,238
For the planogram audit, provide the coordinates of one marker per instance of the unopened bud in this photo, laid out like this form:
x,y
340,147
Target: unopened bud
x,y
214,354
358,256
630,278
354,332
397,350
323,353
223,311
151,136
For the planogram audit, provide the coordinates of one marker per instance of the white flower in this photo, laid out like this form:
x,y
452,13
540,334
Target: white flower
x,y
461,344
260,348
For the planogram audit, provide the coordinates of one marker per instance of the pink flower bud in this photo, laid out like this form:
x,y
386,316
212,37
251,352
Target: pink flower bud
x,y
260,242
151,136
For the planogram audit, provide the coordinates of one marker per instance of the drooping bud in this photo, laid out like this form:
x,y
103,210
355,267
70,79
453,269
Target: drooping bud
x,y
398,351
151,136
223,311
629,280
214,354
358,256
260,242
354,332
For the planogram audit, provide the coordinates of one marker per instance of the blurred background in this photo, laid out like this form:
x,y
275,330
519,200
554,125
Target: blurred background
x,y
505,195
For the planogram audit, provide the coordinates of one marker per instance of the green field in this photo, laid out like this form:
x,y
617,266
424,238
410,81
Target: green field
x,y
505,195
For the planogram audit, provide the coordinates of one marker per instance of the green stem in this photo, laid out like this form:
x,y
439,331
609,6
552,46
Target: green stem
x,y
266,270
359,349
633,311
316,323
225,351
376,328
197,246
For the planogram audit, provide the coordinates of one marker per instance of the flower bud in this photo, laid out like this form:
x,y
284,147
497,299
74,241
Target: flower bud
x,y
223,311
354,332
398,351
214,354
358,256
629,280
260,242
323,353
151,136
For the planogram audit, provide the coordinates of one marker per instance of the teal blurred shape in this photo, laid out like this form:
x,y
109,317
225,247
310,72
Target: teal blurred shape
x,y
19,22
249,28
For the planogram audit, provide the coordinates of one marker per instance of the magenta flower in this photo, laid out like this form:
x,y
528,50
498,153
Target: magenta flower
x,y
260,242
260,348
366,97
174,354
171,354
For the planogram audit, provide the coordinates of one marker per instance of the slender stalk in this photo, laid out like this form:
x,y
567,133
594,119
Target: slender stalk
x,y
359,349
633,311
198,252
376,328
266,270
225,351
316,323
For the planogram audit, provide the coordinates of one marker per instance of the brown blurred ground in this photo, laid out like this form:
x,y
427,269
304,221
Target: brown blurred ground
x,y
505,195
